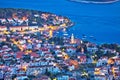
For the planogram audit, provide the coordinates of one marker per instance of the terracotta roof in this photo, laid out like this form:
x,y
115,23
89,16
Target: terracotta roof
x,y
37,79
44,78
83,57
18,26
5,48
71,47
21,75
2,26
41,66
19,54
44,49
34,54
57,48
117,59
6,57
100,75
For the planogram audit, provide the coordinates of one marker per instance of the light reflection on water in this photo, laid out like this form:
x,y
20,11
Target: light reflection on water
x,y
100,21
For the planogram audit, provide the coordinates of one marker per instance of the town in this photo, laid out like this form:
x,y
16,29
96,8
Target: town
x,y
30,52
39,55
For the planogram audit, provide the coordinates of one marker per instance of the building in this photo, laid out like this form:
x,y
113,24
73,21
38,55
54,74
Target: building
x,y
18,28
32,27
50,33
3,28
72,39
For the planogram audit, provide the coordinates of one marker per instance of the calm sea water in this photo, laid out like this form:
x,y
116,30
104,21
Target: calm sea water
x,y
99,20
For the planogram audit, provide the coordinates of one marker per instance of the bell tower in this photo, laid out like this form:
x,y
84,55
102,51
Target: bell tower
x,y
72,39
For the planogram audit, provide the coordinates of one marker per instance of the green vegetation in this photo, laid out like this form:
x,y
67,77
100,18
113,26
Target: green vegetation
x,y
112,46
23,17
56,40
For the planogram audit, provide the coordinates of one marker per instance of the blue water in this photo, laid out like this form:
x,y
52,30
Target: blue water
x,y
99,20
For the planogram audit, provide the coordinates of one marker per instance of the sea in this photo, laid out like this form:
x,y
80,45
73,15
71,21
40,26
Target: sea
x,y
98,23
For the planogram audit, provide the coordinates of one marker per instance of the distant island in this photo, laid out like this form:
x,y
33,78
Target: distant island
x,y
11,17
95,1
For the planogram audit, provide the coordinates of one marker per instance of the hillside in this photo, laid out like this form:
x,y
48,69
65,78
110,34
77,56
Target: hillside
x,y
25,17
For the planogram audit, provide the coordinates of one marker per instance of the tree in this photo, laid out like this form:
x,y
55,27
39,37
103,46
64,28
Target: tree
x,y
47,73
14,76
26,58
99,54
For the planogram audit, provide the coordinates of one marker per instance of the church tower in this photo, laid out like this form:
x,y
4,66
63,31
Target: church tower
x,y
72,39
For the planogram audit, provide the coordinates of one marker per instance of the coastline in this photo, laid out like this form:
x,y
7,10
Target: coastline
x,y
63,22
96,2
106,15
